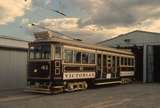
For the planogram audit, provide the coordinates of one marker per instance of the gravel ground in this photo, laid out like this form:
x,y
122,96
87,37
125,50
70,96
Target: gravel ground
x,y
117,96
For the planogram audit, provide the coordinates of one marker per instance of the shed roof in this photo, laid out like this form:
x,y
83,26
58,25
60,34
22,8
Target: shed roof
x,y
136,37
10,42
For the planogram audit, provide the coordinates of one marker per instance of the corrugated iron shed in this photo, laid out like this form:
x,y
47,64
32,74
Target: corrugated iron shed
x,y
13,63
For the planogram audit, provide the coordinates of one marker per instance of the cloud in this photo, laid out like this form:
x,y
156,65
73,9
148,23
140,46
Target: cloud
x,y
10,9
152,26
93,33
48,2
60,23
69,27
113,13
103,19
87,36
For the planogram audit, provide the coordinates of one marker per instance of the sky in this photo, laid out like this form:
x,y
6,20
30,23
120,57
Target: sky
x,y
89,20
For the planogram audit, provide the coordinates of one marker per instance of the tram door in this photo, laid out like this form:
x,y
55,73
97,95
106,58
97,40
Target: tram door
x,y
99,66
57,65
118,67
109,66
104,73
115,67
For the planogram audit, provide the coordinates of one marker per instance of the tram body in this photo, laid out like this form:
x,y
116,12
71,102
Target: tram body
x,y
56,65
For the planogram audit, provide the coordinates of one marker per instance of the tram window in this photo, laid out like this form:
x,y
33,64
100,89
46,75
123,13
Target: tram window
x,y
68,56
77,57
37,55
84,58
117,60
57,52
125,61
113,58
132,62
37,52
108,58
99,59
122,61
45,51
31,53
129,62
91,58
104,60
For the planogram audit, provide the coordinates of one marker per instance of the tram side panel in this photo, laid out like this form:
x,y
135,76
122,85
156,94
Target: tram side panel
x,y
127,69
114,68
108,70
57,74
78,67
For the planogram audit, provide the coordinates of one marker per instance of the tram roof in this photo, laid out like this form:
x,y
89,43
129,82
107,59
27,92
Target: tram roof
x,y
57,39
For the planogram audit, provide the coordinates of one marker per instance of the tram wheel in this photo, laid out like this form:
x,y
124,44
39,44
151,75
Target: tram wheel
x,y
74,86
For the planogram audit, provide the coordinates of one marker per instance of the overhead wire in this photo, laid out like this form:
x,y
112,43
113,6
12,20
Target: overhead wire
x,y
53,10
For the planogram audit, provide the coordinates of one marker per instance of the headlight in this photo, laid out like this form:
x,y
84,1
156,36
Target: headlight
x,y
35,70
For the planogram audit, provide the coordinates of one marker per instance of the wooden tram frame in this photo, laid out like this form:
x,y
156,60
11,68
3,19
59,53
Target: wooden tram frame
x,y
56,80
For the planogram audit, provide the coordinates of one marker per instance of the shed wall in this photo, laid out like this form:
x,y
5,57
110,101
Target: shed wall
x,y
13,67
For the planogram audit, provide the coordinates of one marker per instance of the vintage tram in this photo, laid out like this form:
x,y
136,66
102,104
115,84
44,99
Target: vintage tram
x,y
58,64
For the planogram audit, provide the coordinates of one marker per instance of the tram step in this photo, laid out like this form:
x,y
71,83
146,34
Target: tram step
x,y
58,87
37,91
103,83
